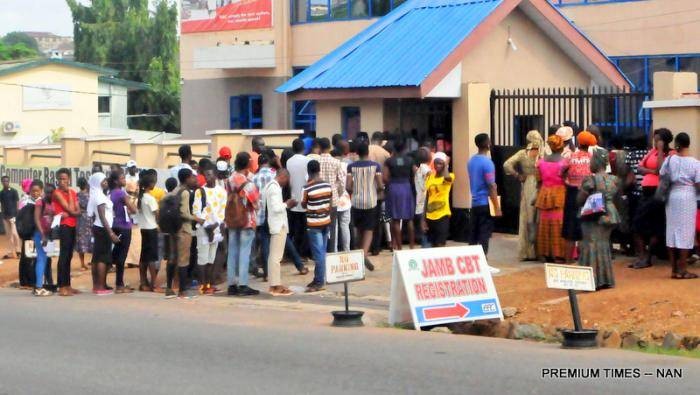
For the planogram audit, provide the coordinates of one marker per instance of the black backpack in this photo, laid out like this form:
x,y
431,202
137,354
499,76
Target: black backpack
x,y
169,219
25,222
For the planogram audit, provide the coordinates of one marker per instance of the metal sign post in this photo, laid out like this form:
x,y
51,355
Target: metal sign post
x,y
345,267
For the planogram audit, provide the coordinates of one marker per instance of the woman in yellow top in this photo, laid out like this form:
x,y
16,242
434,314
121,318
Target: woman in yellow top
x,y
437,202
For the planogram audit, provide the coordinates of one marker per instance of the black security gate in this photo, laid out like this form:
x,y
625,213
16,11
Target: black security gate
x,y
617,112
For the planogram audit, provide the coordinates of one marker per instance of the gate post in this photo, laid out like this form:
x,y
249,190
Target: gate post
x,y
492,105
581,116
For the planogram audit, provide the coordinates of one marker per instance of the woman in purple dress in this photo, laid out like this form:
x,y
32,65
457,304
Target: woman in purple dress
x,y
400,203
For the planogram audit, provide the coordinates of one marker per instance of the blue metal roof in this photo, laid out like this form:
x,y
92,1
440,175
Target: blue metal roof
x,y
400,49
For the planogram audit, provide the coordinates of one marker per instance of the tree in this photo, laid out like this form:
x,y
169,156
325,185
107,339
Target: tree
x,y
142,45
16,52
13,38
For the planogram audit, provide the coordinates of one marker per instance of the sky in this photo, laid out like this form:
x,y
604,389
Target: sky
x,y
36,15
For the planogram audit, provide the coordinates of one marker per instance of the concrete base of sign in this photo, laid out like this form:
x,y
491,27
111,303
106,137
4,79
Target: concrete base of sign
x,y
585,338
345,318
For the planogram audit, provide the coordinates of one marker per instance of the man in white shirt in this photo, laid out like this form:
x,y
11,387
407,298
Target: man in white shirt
x,y
296,165
278,227
185,153
209,204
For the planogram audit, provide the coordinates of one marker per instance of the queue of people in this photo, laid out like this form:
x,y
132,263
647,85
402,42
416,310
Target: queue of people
x,y
235,217
578,198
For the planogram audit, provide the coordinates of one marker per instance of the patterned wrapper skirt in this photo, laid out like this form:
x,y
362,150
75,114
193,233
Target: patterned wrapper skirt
x,y
550,206
595,252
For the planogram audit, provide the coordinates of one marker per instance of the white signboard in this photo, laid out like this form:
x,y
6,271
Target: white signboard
x,y
442,285
47,97
344,267
579,278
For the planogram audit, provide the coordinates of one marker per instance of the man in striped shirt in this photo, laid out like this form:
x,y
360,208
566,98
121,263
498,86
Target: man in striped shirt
x,y
316,199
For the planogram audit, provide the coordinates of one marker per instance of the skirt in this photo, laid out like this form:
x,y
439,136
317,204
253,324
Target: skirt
x,y
595,252
550,244
400,203
102,246
149,246
571,228
438,230
681,212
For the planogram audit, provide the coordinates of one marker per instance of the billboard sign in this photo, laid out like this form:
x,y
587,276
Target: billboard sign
x,y
199,16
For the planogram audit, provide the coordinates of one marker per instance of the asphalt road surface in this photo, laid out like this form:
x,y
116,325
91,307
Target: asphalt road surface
x,y
142,344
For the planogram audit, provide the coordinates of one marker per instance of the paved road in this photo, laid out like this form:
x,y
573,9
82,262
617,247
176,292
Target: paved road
x,y
139,343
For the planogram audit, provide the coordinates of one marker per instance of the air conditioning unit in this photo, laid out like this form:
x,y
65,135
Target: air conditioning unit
x,y
10,127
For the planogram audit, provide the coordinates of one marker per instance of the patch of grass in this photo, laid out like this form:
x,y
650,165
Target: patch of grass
x,y
658,350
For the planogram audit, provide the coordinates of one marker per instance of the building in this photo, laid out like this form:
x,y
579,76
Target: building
x,y
229,72
44,98
52,45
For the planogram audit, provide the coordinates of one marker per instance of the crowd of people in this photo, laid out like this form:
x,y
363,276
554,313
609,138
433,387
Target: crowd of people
x,y
579,198
236,216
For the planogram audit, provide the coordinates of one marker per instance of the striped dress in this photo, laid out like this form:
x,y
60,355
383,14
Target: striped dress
x,y
317,196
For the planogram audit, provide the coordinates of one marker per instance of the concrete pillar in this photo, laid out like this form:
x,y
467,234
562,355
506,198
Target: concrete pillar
x,y
73,152
145,154
470,116
15,156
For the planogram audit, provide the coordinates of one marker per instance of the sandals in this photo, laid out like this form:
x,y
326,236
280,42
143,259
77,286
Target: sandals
x,y
42,292
123,290
303,271
684,276
280,291
145,288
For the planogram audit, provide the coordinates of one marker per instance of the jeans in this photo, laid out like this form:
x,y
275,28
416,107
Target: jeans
x,y
332,245
119,253
262,242
239,243
318,241
292,252
41,258
65,255
481,227
343,229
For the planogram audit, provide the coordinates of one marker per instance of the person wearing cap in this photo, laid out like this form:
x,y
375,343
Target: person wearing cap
x,y
567,134
522,165
132,172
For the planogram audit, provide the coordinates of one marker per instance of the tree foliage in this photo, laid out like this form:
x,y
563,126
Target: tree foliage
x,y
142,45
16,51
13,38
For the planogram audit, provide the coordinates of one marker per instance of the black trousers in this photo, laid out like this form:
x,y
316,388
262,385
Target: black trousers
x,y
297,229
67,240
378,234
119,253
481,227
26,269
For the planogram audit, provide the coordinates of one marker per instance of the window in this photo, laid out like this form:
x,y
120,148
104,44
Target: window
x,y
350,118
640,69
304,11
103,104
660,64
690,64
305,116
634,70
246,112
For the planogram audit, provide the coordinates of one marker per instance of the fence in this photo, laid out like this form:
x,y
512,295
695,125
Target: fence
x,y
618,112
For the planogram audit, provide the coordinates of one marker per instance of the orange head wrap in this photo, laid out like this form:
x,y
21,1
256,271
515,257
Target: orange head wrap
x,y
586,138
555,142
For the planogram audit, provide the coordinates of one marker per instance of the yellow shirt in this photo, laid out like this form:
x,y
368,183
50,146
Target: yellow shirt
x,y
157,193
438,196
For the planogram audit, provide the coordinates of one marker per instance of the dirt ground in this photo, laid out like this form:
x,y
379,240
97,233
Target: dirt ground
x,y
647,302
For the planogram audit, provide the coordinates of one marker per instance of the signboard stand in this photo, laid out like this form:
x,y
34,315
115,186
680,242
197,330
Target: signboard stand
x,y
573,278
345,267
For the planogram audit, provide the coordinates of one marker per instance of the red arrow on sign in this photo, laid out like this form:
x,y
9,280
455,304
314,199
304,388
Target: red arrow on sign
x,y
438,313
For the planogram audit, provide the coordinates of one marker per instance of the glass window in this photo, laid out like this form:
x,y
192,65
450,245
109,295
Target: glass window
x,y
103,104
360,9
634,70
381,7
690,63
350,118
319,10
300,7
660,64
339,9
246,112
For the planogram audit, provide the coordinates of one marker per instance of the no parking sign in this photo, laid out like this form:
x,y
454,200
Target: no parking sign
x,y
442,285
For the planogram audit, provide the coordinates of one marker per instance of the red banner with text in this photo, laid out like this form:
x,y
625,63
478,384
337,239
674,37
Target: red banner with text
x,y
220,15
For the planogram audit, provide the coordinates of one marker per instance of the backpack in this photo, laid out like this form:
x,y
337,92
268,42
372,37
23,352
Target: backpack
x,y
236,214
169,219
25,222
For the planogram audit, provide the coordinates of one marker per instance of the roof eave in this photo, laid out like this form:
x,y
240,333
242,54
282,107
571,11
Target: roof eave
x,y
388,92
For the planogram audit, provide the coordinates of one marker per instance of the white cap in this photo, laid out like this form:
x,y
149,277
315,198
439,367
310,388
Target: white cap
x,y
221,165
131,163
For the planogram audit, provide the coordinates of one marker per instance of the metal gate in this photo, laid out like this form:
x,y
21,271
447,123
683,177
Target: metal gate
x,y
616,111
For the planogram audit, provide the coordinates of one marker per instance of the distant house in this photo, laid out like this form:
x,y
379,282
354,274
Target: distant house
x,y
40,97
52,45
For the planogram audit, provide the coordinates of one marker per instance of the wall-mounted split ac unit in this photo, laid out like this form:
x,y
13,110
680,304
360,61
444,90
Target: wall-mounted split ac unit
x,y
9,127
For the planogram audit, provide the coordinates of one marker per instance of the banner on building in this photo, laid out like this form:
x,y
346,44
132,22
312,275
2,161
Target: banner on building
x,y
436,286
48,174
220,15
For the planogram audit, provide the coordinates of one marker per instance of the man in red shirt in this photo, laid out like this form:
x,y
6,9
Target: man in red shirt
x,y
258,145
65,204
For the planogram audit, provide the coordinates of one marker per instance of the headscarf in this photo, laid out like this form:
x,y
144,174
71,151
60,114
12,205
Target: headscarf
x,y
26,185
97,195
534,141
440,155
555,142
599,160
566,133
586,138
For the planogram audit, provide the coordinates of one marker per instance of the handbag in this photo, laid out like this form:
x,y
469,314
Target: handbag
x,y
664,187
594,207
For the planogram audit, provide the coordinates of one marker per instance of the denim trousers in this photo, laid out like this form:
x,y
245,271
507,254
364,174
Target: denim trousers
x,y
343,230
318,242
41,258
239,245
